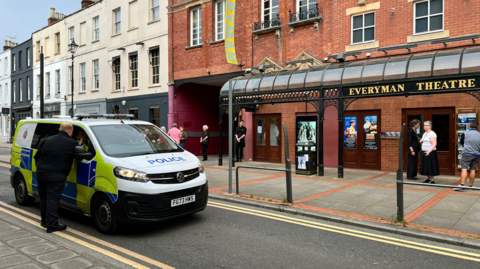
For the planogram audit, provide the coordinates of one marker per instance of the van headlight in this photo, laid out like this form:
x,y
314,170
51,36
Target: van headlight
x,y
130,174
201,169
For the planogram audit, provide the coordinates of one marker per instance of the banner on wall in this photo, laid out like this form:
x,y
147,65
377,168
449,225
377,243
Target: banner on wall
x,y
350,132
230,32
370,132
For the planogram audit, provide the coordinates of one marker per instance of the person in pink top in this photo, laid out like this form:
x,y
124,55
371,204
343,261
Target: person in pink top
x,y
175,133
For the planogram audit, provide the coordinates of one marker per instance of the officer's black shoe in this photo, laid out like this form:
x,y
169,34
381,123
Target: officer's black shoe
x,y
43,224
56,228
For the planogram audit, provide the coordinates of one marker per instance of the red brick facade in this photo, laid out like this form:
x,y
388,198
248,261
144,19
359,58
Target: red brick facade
x,y
394,25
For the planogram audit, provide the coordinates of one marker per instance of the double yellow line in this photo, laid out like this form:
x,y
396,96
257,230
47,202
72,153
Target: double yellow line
x,y
369,236
65,235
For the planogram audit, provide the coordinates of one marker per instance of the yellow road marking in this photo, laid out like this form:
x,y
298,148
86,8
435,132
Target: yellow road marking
x,y
369,236
78,241
94,239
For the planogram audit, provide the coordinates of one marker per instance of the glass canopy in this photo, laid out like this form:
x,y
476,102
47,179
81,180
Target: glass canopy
x,y
450,62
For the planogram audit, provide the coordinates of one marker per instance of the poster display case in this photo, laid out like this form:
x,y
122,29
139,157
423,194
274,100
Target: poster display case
x,y
463,118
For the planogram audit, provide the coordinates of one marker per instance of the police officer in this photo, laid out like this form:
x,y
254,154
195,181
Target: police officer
x,y
83,140
54,160
240,134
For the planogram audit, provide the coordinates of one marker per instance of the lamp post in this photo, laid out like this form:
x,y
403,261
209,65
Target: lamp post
x,y
72,48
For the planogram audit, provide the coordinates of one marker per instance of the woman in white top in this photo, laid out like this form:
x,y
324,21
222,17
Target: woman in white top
x,y
429,166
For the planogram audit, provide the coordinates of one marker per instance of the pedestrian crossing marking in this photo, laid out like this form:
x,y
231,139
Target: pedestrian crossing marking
x,y
5,164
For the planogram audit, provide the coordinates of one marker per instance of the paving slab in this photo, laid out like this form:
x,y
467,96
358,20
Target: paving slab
x,y
435,221
26,241
15,235
39,249
5,251
12,260
56,256
77,263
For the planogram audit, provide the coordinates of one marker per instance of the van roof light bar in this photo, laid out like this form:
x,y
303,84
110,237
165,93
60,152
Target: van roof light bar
x,y
113,116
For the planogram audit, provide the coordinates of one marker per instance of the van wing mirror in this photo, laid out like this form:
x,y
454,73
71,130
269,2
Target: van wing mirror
x,y
80,154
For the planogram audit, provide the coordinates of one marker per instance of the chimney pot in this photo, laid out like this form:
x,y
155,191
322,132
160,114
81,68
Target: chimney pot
x,y
6,42
52,12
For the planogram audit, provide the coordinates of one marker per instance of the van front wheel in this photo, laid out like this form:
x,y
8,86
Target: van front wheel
x,y
104,215
21,192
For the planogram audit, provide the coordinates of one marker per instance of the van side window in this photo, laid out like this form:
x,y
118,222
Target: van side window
x,y
43,131
25,134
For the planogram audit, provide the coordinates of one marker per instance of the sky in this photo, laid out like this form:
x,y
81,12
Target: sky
x,y
34,14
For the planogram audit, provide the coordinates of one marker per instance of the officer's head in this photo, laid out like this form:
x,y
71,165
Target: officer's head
x,y
473,124
81,134
67,127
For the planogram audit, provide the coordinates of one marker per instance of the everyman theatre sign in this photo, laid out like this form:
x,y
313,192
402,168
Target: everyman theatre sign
x,y
230,32
413,87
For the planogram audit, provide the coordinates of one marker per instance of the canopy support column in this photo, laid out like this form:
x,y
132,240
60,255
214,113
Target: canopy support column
x,y
220,144
340,137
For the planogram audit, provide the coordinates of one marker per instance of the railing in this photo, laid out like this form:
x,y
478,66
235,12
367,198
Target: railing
x,y
266,24
304,15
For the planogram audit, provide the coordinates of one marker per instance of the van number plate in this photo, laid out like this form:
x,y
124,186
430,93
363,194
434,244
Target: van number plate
x,y
183,200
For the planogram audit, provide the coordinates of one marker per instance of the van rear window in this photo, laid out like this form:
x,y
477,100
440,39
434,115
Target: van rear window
x,y
125,140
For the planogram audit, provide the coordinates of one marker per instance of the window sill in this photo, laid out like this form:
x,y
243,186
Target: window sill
x,y
94,91
193,47
362,46
95,41
267,30
217,42
82,93
132,29
133,89
152,22
116,35
305,22
154,86
116,91
428,36
58,53
46,57
82,45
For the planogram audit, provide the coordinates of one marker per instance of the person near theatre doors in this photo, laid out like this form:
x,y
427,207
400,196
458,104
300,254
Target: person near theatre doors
x,y
413,147
54,159
429,166
240,133
175,134
204,141
470,140
183,138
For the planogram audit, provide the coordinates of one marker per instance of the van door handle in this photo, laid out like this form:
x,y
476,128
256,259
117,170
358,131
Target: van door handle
x,y
93,170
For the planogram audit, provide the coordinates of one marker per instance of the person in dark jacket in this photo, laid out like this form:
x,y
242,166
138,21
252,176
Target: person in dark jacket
x,y
54,161
204,141
240,134
413,147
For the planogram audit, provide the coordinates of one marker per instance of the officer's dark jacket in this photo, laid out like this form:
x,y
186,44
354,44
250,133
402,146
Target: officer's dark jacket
x,y
55,154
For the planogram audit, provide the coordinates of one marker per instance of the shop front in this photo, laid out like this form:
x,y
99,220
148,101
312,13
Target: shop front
x,y
52,109
373,99
94,106
152,107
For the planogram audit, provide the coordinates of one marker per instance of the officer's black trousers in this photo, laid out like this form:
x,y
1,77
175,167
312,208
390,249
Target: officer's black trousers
x,y
204,149
412,165
50,188
239,151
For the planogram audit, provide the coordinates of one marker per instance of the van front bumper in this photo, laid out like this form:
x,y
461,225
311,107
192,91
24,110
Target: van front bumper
x,y
134,207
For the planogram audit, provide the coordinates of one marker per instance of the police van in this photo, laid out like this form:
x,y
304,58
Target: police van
x,y
128,171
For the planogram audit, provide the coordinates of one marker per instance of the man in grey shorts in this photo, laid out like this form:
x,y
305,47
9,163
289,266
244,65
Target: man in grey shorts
x,y
470,140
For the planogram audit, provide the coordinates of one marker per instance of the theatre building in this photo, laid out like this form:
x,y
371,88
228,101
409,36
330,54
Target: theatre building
x,y
347,74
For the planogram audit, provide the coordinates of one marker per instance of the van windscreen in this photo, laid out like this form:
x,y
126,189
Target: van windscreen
x,y
125,140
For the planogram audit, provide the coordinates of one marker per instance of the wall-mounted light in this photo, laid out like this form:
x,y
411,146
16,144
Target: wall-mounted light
x,y
121,49
124,102
326,59
368,54
393,10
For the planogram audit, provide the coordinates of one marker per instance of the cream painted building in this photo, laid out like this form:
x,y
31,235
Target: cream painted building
x,y
127,66
53,41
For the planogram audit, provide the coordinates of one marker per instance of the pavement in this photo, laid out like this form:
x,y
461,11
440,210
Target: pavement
x,y
26,248
363,198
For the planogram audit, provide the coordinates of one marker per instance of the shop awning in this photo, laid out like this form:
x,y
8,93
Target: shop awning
x,y
436,64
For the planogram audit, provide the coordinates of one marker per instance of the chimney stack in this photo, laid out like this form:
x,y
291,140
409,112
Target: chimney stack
x,y
8,45
52,18
86,3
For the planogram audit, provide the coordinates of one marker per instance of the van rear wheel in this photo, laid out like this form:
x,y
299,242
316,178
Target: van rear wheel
x,y
21,192
104,215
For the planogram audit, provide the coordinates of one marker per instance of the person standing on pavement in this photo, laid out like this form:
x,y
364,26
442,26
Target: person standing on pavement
x,y
183,138
413,147
470,140
240,133
204,141
175,134
54,160
429,166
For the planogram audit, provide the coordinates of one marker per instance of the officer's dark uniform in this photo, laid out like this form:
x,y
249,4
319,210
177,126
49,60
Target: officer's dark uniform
x,y
239,131
205,144
54,160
